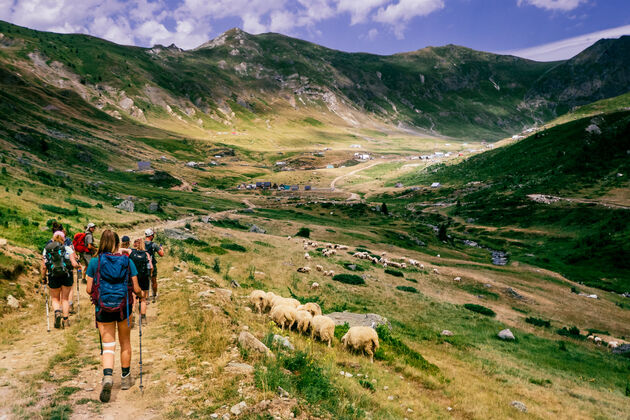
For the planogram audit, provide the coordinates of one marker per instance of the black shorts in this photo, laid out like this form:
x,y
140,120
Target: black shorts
x,y
113,316
144,282
57,282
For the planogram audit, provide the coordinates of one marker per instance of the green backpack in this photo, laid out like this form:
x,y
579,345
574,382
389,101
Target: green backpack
x,y
56,262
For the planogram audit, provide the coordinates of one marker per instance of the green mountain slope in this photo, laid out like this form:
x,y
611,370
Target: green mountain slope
x,y
241,81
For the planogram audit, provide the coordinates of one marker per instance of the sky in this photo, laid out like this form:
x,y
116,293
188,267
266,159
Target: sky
x,y
544,30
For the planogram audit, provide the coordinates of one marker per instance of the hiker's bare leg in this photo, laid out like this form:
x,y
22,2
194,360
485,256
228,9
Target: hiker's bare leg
x,y
55,297
65,303
143,302
154,285
124,338
108,336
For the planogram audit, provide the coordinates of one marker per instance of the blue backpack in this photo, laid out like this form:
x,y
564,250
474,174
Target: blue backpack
x,y
111,284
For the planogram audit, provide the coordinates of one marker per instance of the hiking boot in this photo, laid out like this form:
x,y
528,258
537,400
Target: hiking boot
x,y
106,391
153,298
72,310
84,281
126,382
143,319
57,319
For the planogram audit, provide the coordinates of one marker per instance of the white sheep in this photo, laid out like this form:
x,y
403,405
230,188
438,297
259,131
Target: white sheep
x,y
422,266
284,315
458,279
257,299
435,270
597,340
319,268
314,286
304,270
613,344
279,300
307,256
323,328
304,319
364,339
288,238
590,337
342,247
312,307
268,300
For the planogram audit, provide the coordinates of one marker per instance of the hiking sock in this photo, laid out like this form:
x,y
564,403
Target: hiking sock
x,y
108,372
125,371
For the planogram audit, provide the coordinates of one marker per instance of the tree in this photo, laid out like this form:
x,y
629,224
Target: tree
x,y
384,209
442,235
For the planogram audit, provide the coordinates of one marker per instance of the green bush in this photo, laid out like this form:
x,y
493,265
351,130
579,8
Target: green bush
x,y
348,279
394,273
479,309
229,224
538,322
214,250
407,289
216,267
233,247
573,332
78,203
59,210
304,232
341,330
367,385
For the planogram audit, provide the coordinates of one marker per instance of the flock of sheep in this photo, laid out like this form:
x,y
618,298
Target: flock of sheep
x,y
290,313
599,341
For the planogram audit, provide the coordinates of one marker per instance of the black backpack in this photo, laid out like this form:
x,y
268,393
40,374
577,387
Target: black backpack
x,y
56,262
141,261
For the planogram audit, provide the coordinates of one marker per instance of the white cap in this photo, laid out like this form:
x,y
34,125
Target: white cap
x,y
148,232
90,225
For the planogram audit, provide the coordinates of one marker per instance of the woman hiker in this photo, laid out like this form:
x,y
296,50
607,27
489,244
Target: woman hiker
x,y
107,273
142,260
58,262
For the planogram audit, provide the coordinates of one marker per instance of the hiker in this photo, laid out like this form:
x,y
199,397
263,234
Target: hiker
x,y
58,227
142,260
58,261
153,249
84,245
111,280
125,243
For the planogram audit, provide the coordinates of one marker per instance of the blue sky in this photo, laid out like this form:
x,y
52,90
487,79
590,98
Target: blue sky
x,y
375,26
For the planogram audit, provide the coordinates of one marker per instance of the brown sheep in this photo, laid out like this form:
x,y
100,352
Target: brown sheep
x,y
257,299
364,339
323,328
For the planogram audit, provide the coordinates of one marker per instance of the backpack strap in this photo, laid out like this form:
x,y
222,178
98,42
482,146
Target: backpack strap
x,y
95,291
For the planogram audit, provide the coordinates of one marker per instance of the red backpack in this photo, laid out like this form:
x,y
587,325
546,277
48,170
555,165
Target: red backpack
x,y
78,242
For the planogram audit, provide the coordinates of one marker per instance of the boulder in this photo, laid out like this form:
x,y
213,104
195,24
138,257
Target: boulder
x,y
519,406
239,368
513,293
248,342
154,207
126,205
256,229
207,219
356,320
12,302
506,334
447,333
3,242
283,341
622,349
178,234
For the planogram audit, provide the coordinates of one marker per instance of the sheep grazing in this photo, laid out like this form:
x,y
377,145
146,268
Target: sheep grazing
x,y
284,315
329,252
323,328
435,270
304,270
458,279
597,340
257,299
279,301
268,300
304,319
364,339
311,307
319,268
613,344
307,256
329,273
288,238
330,246
342,247
383,254
590,337
314,286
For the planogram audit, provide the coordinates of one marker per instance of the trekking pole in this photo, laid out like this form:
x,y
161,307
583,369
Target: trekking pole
x,y
47,310
140,338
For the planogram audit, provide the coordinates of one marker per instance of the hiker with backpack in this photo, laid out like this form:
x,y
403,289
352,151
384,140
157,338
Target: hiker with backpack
x,y
84,245
58,261
112,278
58,227
153,249
142,260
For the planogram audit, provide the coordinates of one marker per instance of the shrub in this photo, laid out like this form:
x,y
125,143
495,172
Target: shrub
x,y
573,332
367,384
217,266
304,232
233,247
214,250
393,272
229,224
538,322
78,203
341,330
348,279
59,210
479,309
407,289
575,290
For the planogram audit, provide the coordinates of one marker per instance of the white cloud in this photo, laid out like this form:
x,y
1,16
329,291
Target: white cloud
x,y
562,5
372,34
399,14
358,9
567,48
